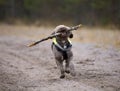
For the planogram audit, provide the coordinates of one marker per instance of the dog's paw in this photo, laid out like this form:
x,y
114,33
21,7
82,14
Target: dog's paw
x,y
67,71
62,76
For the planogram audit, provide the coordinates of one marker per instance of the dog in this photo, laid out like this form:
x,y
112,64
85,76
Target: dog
x,y
61,48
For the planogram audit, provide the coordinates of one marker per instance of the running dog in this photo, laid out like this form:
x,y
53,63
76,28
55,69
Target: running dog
x,y
61,47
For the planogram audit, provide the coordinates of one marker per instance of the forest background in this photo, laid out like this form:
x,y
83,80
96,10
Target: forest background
x,y
88,12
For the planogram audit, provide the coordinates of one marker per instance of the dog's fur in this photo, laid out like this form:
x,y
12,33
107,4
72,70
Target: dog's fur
x,y
65,55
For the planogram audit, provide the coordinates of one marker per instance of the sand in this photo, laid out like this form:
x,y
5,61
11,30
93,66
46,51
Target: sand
x,y
24,68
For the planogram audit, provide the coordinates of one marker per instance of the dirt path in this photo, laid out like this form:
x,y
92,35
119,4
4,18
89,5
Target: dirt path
x,y
34,69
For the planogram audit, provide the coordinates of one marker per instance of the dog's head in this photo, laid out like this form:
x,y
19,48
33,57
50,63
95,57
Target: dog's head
x,y
64,31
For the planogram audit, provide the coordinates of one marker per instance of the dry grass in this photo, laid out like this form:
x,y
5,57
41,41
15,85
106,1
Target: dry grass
x,y
84,35
99,36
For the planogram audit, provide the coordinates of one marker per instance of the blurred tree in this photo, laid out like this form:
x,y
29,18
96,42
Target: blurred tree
x,y
90,12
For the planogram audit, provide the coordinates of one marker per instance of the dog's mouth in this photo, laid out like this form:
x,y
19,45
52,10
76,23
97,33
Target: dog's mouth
x,y
64,34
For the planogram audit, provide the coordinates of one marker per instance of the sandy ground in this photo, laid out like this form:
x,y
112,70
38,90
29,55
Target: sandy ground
x,y
34,69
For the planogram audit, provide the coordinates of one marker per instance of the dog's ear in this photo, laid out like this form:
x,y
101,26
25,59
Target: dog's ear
x,y
71,35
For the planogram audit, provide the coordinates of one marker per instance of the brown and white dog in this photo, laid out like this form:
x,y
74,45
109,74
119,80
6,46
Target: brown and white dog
x,y
61,48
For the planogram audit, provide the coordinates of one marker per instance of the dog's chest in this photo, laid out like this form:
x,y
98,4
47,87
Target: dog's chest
x,y
64,44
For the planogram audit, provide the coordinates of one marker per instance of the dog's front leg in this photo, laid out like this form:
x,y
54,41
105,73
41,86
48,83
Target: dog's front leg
x,y
69,66
60,66
72,69
68,60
